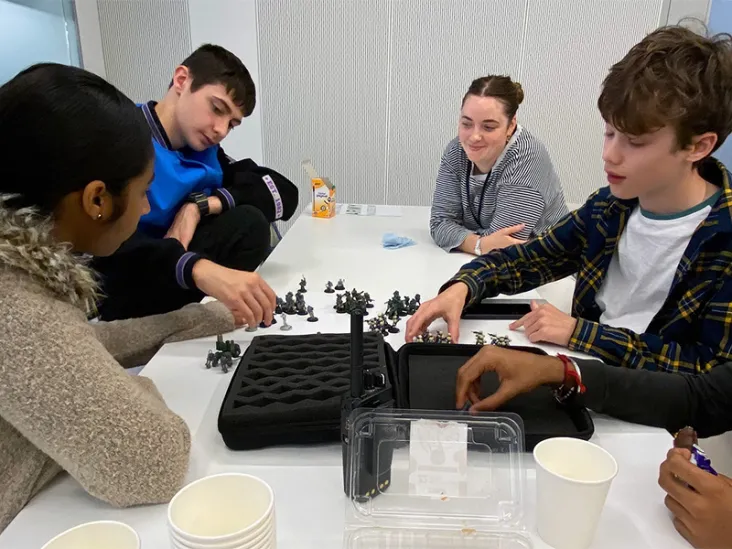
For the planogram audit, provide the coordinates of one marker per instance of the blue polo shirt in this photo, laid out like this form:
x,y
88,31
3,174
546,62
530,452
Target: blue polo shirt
x,y
178,173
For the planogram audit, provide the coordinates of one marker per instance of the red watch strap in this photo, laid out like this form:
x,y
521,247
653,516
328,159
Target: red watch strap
x,y
571,373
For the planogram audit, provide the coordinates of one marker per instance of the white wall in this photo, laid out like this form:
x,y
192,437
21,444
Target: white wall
x,y
370,89
232,24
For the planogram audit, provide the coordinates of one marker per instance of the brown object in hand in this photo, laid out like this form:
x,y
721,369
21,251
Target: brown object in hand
x,y
686,438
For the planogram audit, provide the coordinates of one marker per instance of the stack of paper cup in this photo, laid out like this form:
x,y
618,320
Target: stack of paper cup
x,y
572,481
94,535
226,511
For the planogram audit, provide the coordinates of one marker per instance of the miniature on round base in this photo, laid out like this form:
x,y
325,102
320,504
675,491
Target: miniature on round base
x,y
312,317
285,326
329,288
340,285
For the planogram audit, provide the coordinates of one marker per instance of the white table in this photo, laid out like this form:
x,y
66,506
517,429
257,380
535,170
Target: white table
x,y
307,481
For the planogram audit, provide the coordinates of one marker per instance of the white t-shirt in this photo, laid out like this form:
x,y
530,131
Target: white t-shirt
x,y
644,264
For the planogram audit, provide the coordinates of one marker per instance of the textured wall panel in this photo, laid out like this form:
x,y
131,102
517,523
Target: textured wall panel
x,y
143,41
437,48
570,45
323,73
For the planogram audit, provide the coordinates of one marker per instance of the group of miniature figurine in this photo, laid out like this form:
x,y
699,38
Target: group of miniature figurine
x,y
348,302
226,352
399,306
499,341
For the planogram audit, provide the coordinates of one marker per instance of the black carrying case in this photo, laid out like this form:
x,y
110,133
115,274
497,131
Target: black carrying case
x,y
426,374
288,389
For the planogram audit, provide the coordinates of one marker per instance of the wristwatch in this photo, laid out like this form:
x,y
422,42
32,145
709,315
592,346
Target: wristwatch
x,y
200,200
477,246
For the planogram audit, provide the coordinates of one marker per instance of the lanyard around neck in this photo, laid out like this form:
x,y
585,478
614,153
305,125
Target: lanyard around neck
x,y
478,218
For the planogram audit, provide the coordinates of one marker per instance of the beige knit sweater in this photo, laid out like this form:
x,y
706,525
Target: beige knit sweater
x,y
66,402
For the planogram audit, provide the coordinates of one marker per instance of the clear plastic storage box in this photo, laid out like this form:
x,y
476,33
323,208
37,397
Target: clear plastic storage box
x,y
435,480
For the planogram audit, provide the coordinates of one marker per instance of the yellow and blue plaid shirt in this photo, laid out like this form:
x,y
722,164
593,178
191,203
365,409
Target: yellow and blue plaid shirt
x,y
692,331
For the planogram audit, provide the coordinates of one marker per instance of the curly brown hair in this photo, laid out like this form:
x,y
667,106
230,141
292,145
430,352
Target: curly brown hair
x,y
674,77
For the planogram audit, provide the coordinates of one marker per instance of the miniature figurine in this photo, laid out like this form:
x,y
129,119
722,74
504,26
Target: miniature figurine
x,y
479,338
289,305
339,305
500,341
368,300
226,362
251,328
301,309
285,326
311,312
274,321
210,360
227,346
329,288
340,285
393,328
278,308
303,282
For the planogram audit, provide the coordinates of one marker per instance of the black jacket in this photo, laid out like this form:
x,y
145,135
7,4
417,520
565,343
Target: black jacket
x,y
660,399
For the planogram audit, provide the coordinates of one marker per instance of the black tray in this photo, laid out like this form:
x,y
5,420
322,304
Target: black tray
x,y
288,389
496,309
427,373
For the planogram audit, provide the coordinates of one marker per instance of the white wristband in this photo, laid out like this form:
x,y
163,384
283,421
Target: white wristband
x,y
477,247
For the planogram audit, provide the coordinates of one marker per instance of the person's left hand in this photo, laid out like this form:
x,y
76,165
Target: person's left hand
x,y
546,323
700,502
184,225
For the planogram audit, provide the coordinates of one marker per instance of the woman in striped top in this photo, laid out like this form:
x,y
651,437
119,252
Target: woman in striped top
x,y
496,185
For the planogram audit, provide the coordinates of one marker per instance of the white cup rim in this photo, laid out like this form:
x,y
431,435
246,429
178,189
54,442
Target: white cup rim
x,y
226,537
548,441
228,543
93,522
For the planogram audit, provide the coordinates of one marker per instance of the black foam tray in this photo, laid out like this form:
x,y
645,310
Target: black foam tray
x,y
288,389
427,374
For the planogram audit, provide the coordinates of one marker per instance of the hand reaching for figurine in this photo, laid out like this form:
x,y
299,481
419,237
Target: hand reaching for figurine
x,y
247,295
546,323
448,305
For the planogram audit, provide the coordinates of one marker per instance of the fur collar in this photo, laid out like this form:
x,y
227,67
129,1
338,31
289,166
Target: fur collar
x,y
27,244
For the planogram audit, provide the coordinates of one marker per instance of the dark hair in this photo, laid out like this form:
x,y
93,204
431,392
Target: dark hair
x,y
508,92
212,64
674,77
61,128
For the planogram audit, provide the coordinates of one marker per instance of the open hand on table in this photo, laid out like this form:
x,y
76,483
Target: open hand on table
x,y
247,295
448,305
701,503
184,225
519,372
502,238
546,323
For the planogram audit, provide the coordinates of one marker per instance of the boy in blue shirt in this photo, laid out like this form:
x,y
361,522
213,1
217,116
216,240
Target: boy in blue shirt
x,y
209,223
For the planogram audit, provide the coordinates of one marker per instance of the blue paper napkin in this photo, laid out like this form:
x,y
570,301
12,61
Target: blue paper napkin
x,y
391,241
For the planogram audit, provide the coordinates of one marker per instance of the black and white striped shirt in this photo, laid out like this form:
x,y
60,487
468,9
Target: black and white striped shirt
x,y
522,187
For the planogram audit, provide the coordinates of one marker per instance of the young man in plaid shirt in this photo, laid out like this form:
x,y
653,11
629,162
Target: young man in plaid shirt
x,y
652,252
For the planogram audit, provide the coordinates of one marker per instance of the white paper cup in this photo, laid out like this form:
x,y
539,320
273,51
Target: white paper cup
x,y
572,481
269,542
104,534
250,540
221,509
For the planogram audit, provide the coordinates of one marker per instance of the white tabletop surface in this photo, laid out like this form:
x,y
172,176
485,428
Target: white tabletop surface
x,y
307,481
